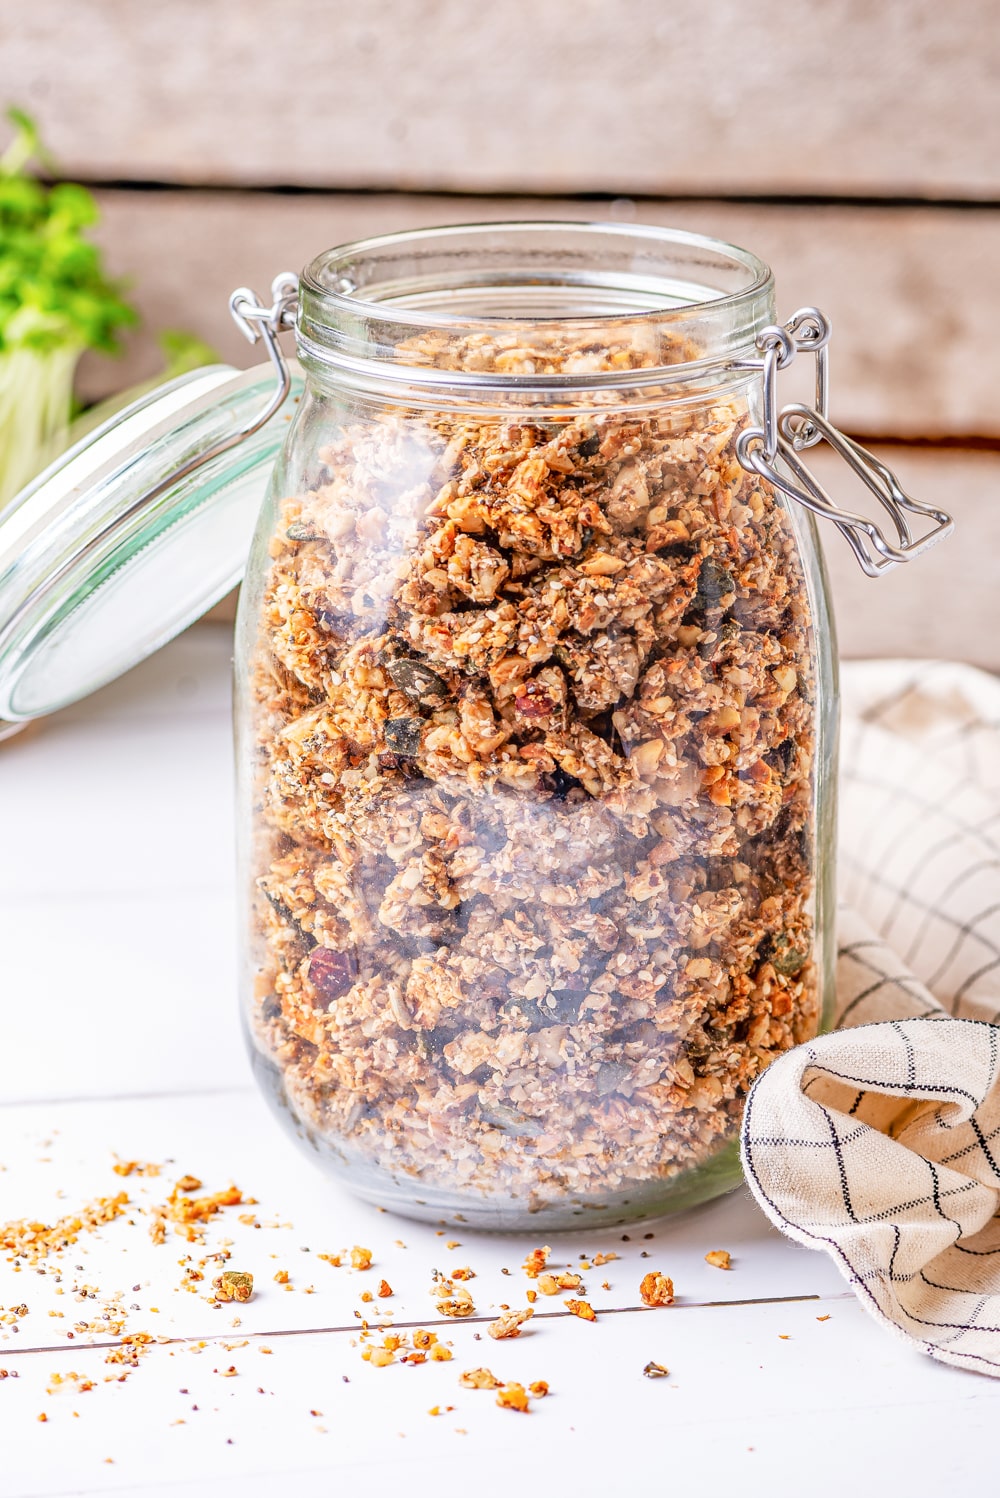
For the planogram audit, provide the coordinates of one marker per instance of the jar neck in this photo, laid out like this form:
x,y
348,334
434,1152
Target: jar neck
x,y
503,311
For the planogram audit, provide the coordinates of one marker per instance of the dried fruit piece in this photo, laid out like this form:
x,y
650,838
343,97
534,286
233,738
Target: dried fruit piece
x,y
330,973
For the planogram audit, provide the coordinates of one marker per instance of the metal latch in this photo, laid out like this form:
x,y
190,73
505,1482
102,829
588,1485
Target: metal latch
x,y
786,433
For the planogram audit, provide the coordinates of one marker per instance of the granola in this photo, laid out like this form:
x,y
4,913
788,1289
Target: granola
x,y
533,706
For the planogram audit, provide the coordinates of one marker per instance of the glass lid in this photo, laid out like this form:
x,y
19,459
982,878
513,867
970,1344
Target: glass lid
x,y
134,533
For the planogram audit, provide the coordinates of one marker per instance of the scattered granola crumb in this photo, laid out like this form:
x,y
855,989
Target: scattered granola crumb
x,y
655,1370
480,1378
823,1318
551,1284
719,1259
361,1258
509,1324
281,1277
539,1388
600,1259
536,1261
581,1308
134,1168
514,1397
233,1284
384,1289
656,1289
34,1241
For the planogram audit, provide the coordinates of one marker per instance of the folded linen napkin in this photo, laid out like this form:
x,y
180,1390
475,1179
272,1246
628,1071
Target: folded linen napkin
x,y
880,1142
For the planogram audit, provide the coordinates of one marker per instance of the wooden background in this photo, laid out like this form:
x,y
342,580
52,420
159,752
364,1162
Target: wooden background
x,y
855,146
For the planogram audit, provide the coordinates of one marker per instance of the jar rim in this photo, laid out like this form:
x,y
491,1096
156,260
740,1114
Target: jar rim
x,y
359,301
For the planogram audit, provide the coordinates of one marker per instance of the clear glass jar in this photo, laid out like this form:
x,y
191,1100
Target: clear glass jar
x,y
537,723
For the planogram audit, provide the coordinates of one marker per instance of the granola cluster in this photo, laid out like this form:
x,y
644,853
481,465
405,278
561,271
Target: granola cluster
x,y
534,713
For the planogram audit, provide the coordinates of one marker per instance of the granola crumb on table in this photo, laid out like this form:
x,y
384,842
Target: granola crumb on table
x,y
534,720
656,1289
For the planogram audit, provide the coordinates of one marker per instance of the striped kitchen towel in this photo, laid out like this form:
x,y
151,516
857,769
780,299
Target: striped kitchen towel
x,y
880,1142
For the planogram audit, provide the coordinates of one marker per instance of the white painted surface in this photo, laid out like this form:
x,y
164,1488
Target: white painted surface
x,y
119,1034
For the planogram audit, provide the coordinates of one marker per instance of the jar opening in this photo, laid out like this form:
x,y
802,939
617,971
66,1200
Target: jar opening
x,y
411,300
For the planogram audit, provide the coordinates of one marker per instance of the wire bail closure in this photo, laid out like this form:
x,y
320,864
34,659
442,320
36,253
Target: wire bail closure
x,y
257,322
787,432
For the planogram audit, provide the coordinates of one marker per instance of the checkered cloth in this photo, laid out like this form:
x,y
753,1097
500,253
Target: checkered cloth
x,y
880,1143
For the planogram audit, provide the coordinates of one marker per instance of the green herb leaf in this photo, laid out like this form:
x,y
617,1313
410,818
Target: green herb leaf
x,y
54,292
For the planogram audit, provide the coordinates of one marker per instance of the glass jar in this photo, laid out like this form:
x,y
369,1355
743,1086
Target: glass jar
x,y
537,716
537,704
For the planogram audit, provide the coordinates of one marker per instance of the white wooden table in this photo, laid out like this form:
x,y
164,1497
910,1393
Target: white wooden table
x,y
119,1035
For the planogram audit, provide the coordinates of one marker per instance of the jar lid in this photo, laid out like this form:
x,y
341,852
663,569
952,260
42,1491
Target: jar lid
x,y
132,534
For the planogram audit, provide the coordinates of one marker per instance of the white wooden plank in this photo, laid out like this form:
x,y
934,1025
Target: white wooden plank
x,y
838,1405
910,291
741,1375
51,1147
702,96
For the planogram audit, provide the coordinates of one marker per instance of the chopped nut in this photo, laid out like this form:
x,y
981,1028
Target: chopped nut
x,y
655,1370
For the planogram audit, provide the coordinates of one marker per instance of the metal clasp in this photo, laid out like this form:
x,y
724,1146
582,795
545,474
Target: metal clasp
x,y
256,322
787,432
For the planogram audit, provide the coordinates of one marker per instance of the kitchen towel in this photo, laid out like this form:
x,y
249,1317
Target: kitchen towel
x,y
880,1142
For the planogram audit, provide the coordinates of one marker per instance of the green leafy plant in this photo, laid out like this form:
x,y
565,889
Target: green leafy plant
x,y
55,302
